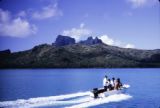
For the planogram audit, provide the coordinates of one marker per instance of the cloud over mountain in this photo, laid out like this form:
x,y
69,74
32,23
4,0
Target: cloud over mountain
x,y
110,41
77,33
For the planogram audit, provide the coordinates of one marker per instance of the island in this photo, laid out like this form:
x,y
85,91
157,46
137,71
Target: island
x,y
65,52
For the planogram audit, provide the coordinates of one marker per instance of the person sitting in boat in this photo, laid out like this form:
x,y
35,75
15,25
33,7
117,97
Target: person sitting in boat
x,y
108,85
113,83
118,84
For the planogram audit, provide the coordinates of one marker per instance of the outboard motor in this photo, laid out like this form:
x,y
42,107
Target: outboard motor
x,y
105,88
95,92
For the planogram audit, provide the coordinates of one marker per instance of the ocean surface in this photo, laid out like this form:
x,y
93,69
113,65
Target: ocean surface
x,y
59,88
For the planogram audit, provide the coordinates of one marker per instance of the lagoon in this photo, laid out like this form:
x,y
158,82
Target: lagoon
x,y
22,87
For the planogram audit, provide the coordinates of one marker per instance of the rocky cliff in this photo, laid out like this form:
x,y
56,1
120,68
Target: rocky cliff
x,y
91,41
64,40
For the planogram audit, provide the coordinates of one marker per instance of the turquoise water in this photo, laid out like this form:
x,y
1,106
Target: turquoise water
x,y
35,86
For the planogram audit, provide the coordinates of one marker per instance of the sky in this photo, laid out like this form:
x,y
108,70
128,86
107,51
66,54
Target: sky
x,y
124,23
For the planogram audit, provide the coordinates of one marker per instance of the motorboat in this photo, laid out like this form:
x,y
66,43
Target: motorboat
x,y
102,92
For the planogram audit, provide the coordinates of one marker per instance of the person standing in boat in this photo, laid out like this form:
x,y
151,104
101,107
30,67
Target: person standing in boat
x,y
105,79
118,84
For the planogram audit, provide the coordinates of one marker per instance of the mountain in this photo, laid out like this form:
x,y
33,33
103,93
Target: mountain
x,y
80,55
64,40
91,41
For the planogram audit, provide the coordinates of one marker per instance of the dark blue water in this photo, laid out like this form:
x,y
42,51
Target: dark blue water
x,y
30,83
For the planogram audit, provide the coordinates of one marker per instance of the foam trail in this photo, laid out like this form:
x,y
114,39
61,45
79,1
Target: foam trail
x,y
41,100
126,85
82,99
54,103
112,98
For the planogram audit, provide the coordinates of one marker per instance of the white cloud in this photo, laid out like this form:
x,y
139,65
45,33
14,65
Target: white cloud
x,y
107,40
77,33
47,12
82,25
15,27
129,46
4,16
141,3
138,3
82,32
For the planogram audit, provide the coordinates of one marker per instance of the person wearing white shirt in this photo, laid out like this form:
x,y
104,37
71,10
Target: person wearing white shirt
x,y
105,79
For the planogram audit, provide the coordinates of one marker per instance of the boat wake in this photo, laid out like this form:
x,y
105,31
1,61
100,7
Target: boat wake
x,y
74,100
95,102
